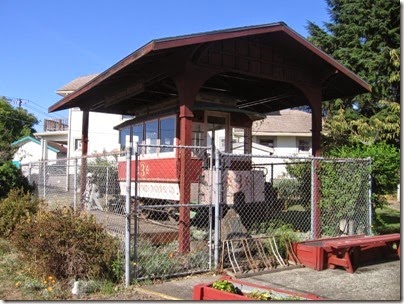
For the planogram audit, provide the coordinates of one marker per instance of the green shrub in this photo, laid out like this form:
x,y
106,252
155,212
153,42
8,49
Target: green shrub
x,y
284,235
15,207
385,167
65,244
156,262
11,178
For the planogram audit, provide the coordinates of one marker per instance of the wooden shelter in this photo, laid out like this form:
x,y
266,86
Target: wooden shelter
x,y
254,69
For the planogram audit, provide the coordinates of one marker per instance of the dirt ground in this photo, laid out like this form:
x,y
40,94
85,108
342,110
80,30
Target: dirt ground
x,y
132,295
393,204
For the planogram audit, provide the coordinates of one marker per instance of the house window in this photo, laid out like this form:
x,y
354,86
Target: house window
x,y
267,142
304,145
77,144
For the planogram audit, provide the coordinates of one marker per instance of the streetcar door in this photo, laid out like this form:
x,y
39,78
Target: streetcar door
x,y
218,131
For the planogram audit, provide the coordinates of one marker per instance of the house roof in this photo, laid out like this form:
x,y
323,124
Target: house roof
x,y
289,121
55,147
144,78
75,84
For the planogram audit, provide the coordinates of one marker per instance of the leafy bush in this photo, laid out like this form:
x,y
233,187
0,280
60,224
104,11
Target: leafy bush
x,y
11,178
284,235
385,167
105,172
343,189
65,244
344,194
301,171
287,188
162,260
156,262
15,207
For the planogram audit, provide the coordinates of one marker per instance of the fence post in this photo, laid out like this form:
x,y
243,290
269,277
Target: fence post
x,y
135,244
315,198
44,179
29,173
127,215
312,207
106,185
67,175
217,209
210,208
370,196
75,186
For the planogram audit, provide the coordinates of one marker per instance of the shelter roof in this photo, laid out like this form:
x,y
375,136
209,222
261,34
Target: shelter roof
x,y
144,78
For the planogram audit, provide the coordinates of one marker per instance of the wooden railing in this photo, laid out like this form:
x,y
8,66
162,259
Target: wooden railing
x,y
55,124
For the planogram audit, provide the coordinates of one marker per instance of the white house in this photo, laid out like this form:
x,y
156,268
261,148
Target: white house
x,y
288,132
31,150
102,137
283,134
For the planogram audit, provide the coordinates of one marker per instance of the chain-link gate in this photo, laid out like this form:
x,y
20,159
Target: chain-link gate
x,y
181,210
171,189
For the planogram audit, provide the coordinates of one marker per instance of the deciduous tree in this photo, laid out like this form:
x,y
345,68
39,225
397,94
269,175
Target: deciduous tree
x,y
14,124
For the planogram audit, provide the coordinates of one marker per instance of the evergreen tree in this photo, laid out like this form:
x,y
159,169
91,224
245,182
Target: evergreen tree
x,y
364,36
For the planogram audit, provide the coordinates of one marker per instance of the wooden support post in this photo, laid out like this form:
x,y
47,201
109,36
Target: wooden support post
x,y
188,80
84,151
313,95
185,180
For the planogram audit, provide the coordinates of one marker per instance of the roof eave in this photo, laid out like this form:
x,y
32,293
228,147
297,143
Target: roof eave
x,y
61,105
328,59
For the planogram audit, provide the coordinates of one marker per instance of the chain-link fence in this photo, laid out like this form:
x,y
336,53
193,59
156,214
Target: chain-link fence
x,y
181,210
317,196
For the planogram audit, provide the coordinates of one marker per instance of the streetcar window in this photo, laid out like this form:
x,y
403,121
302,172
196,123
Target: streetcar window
x,y
167,133
124,138
197,134
151,135
137,134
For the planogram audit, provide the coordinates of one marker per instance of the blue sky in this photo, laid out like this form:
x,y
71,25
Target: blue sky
x,y
47,43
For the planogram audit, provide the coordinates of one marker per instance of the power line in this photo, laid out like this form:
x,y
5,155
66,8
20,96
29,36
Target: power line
x,y
23,102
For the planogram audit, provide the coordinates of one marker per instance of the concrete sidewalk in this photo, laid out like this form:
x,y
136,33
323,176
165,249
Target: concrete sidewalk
x,y
376,282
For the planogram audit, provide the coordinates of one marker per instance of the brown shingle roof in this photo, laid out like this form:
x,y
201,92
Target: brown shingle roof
x,y
284,121
76,83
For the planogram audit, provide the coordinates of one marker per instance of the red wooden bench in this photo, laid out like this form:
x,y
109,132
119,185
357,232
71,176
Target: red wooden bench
x,y
346,252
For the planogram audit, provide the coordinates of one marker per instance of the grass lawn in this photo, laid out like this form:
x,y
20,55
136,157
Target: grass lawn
x,y
386,220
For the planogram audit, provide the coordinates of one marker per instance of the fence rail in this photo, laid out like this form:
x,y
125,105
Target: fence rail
x,y
183,210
